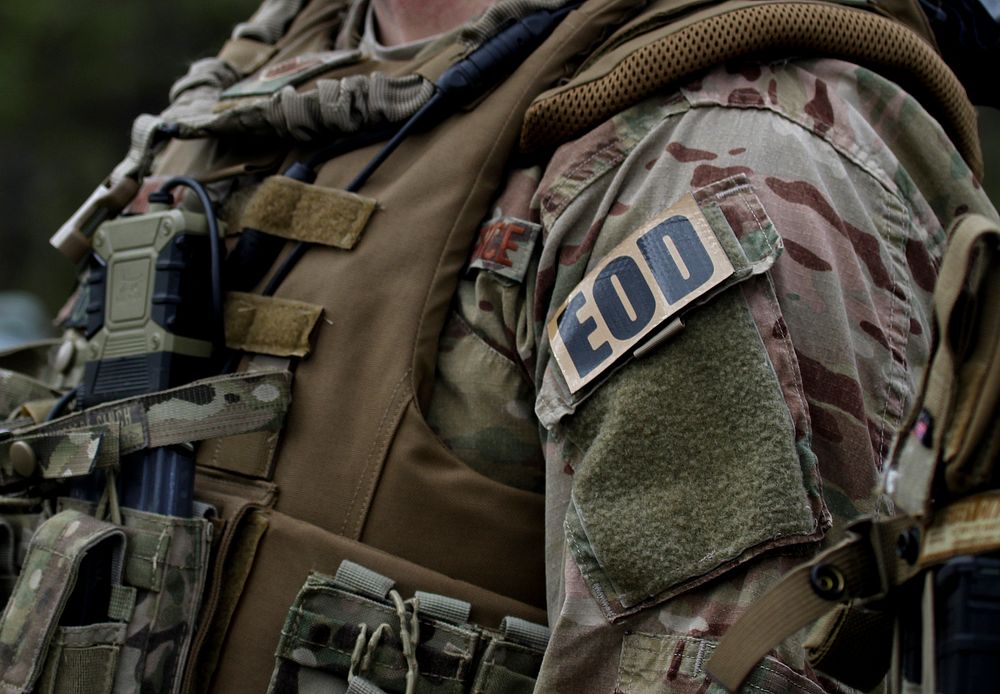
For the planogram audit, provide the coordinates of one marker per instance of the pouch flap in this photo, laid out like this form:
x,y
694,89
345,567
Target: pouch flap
x,y
47,580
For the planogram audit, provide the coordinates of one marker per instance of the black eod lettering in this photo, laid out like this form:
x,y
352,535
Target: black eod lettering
x,y
679,263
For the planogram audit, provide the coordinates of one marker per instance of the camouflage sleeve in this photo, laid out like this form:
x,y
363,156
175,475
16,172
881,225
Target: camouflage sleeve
x,y
683,483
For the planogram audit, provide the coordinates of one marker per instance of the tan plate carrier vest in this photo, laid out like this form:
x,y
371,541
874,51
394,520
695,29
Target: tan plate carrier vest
x,y
358,474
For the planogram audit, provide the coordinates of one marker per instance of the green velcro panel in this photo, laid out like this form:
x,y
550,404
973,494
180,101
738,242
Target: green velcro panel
x,y
211,408
442,607
46,583
269,325
301,211
662,503
357,579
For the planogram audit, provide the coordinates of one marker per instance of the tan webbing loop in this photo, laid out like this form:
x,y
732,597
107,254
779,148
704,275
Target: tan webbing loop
x,y
268,325
300,211
967,526
865,566
713,36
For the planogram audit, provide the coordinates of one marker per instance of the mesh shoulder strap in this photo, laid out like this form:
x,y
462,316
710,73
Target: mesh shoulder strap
x,y
671,43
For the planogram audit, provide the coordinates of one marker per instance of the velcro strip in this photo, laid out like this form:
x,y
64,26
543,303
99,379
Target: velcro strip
x,y
268,325
304,212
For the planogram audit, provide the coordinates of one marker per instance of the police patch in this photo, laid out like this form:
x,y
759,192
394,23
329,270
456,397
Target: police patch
x,y
294,71
504,247
643,283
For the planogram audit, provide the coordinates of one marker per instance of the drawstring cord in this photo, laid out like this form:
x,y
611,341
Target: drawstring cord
x,y
409,634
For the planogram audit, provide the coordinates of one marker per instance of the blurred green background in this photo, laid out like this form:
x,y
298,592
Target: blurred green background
x,y
72,78
73,75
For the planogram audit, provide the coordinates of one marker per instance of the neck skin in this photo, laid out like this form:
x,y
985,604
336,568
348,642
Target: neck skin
x,y
403,21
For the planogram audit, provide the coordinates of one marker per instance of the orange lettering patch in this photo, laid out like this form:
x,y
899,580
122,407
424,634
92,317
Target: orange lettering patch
x,y
504,247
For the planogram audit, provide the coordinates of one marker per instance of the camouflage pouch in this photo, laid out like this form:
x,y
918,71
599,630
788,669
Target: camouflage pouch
x,y
354,633
19,520
165,563
40,647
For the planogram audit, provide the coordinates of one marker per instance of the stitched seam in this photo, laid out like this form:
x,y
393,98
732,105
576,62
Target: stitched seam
x,y
742,192
564,186
393,408
882,443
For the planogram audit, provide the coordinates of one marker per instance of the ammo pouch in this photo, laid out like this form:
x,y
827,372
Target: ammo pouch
x,y
100,607
353,633
19,520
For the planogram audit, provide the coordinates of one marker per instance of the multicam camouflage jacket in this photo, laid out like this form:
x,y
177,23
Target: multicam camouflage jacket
x,y
680,486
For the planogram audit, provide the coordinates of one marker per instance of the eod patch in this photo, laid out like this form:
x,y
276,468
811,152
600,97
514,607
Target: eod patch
x,y
643,283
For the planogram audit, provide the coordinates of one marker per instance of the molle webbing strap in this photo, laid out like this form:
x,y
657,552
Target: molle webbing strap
x,y
970,525
679,51
299,211
211,408
863,567
46,583
268,325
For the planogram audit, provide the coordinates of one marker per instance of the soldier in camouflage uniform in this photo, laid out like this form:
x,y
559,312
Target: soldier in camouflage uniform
x,y
682,481
653,489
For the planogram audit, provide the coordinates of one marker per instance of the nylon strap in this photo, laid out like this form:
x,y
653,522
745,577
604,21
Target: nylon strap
x,y
268,325
967,526
47,580
639,66
300,211
211,408
867,567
